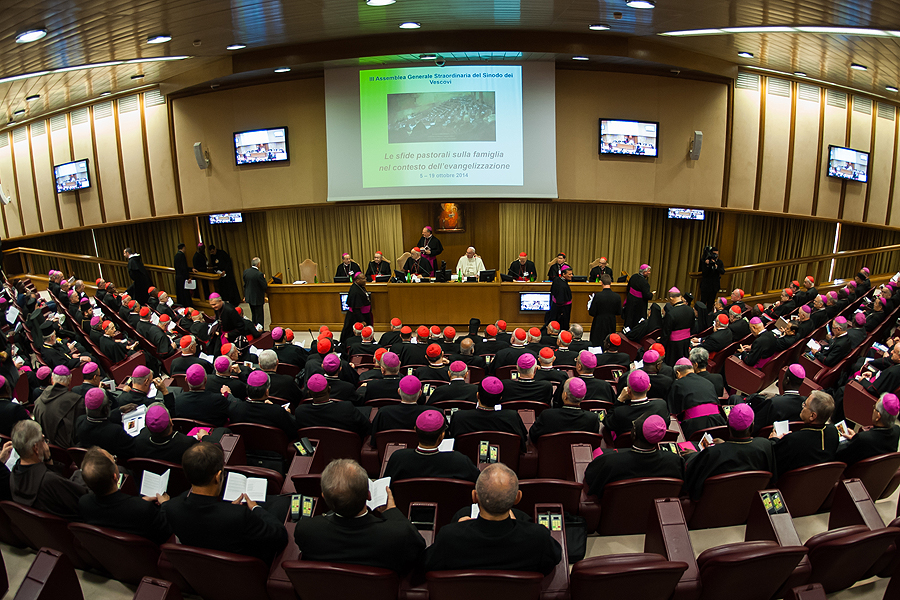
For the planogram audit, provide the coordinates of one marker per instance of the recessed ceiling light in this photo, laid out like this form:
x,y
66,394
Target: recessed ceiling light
x,y
891,88
32,35
641,4
745,54
799,74
580,58
138,76
105,93
380,2
161,38
428,56
410,25
235,47
759,29
858,67
33,98
599,27
19,112
282,69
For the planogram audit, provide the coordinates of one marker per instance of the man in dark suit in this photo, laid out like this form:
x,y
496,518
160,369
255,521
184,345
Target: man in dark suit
x,y
495,539
324,412
202,519
139,276
108,507
816,443
427,460
882,438
255,287
839,344
568,418
351,533
227,374
280,386
182,276
719,338
458,388
159,440
605,306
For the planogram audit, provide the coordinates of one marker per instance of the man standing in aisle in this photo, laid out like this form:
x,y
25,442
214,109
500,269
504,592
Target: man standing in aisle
x,y
560,299
138,273
637,295
359,304
711,271
604,307
255,287
182,276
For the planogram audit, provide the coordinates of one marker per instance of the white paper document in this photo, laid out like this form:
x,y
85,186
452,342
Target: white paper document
x,y
13,457
206,357
190,285
378,490
133,422
446,445
237,484
153,484
781,427
12,313
474,511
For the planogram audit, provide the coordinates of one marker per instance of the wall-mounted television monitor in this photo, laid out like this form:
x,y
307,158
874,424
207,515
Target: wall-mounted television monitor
x,y
261,146
72,176
534,301
226,218
846,163
692,214
635,138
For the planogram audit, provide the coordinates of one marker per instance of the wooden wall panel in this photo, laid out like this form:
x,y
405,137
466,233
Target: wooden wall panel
x,y
108,159
160,154
806,161
8,185
62,153
745,143
83,147
881,167
774,165
834,132
860,139
43,175
23,170
135,173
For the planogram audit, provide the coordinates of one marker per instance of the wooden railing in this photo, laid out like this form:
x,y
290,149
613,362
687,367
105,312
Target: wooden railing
x,y
761,287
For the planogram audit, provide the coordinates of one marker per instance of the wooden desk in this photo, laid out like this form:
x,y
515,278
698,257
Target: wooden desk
x,y
310,305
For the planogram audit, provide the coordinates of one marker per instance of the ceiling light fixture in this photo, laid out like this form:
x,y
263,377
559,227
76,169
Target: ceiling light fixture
x,y
760,29
33,98
599,27
282,69
580,58
428,56
858,67
161,38
799,74
410,25
891,88
840,30
811,29
236,47
138,76
641,4
32,35
380,2
745,54
19,112
105,93
133,61
690,32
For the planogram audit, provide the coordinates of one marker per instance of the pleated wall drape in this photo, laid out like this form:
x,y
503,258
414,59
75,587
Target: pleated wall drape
x,y
74,242
242,241
155,241
854,237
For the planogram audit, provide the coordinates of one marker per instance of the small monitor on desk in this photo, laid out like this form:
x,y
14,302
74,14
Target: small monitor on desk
x,y
344,307
488,275
579,279
342,279
382,278
505,277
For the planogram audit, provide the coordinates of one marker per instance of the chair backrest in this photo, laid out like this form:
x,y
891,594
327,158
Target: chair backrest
x,y
510,445
549,491
314,580
401,260
379,402
626,504
805,489
43,530
397,436
246,575
157,589
720,431
449,494
308,271
186,425
841,557
264,438
624,440
747,570
875,472
555,452
362,359
120,371
640,575
50,577
21,391
287,369
76,454
504,372
126,557
475,374
607,372
178,482
726,499
497,585
460,404
537,407
274,479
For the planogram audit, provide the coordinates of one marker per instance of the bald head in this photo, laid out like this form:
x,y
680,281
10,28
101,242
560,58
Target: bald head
x,y
345,487
467,347
497,490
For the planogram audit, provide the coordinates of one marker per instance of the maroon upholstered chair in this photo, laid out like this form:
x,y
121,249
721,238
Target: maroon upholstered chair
x,y
10,534
720,431
186,425
460,404
43,530
805,489
157,589
333,443
843,556
510,446
475,375
504,372
746,570
496,585
309,484
449,494
555,452
204,570
123,369
397,436
314,580
50,577
810,591
875,473
537,407
287,369
645,576
178,482
4,578
549,491
128,558
892,486
76,455
726,499
264,438
626,504
608,372
858,403
274,479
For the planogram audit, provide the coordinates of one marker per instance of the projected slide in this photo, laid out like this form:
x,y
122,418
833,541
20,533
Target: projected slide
x,y
441,126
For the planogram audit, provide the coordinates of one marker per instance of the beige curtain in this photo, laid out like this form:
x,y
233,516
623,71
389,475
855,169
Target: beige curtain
x,y
675,247
855,237
75,242
242,241
155,241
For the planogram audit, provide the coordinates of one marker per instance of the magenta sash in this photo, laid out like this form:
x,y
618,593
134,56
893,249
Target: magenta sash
x,y
703,410
679,335
762,362
365,310
430,260
636,293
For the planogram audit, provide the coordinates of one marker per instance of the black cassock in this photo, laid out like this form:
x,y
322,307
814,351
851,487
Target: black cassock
x,y
347,270
140,278
382,268
420,267
809,446
868,443
597,271
227,286
677,331
605,307
631,463
623,416
746,454
519,271
182,273
692,391
360,306
717,340
436,248
783,407
560,303
637,294
763,347
414,462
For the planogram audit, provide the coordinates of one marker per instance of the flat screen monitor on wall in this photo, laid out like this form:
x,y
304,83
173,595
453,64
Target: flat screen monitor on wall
x,y
225,218
261,146
636,138
72,176
692,214
846,163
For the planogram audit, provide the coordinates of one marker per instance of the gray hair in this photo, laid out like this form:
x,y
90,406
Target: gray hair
x,y
497,487
679,369
459,373
576,330
25,434
61,379
410,397
254,262
345,486
142,380
822,404
699,356
529,372
887,418
268,360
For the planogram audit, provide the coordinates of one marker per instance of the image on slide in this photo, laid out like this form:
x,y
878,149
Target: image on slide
x,y
441,117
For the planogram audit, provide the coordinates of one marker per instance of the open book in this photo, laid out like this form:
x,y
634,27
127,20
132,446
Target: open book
x,y
153,484
237,484
378,490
